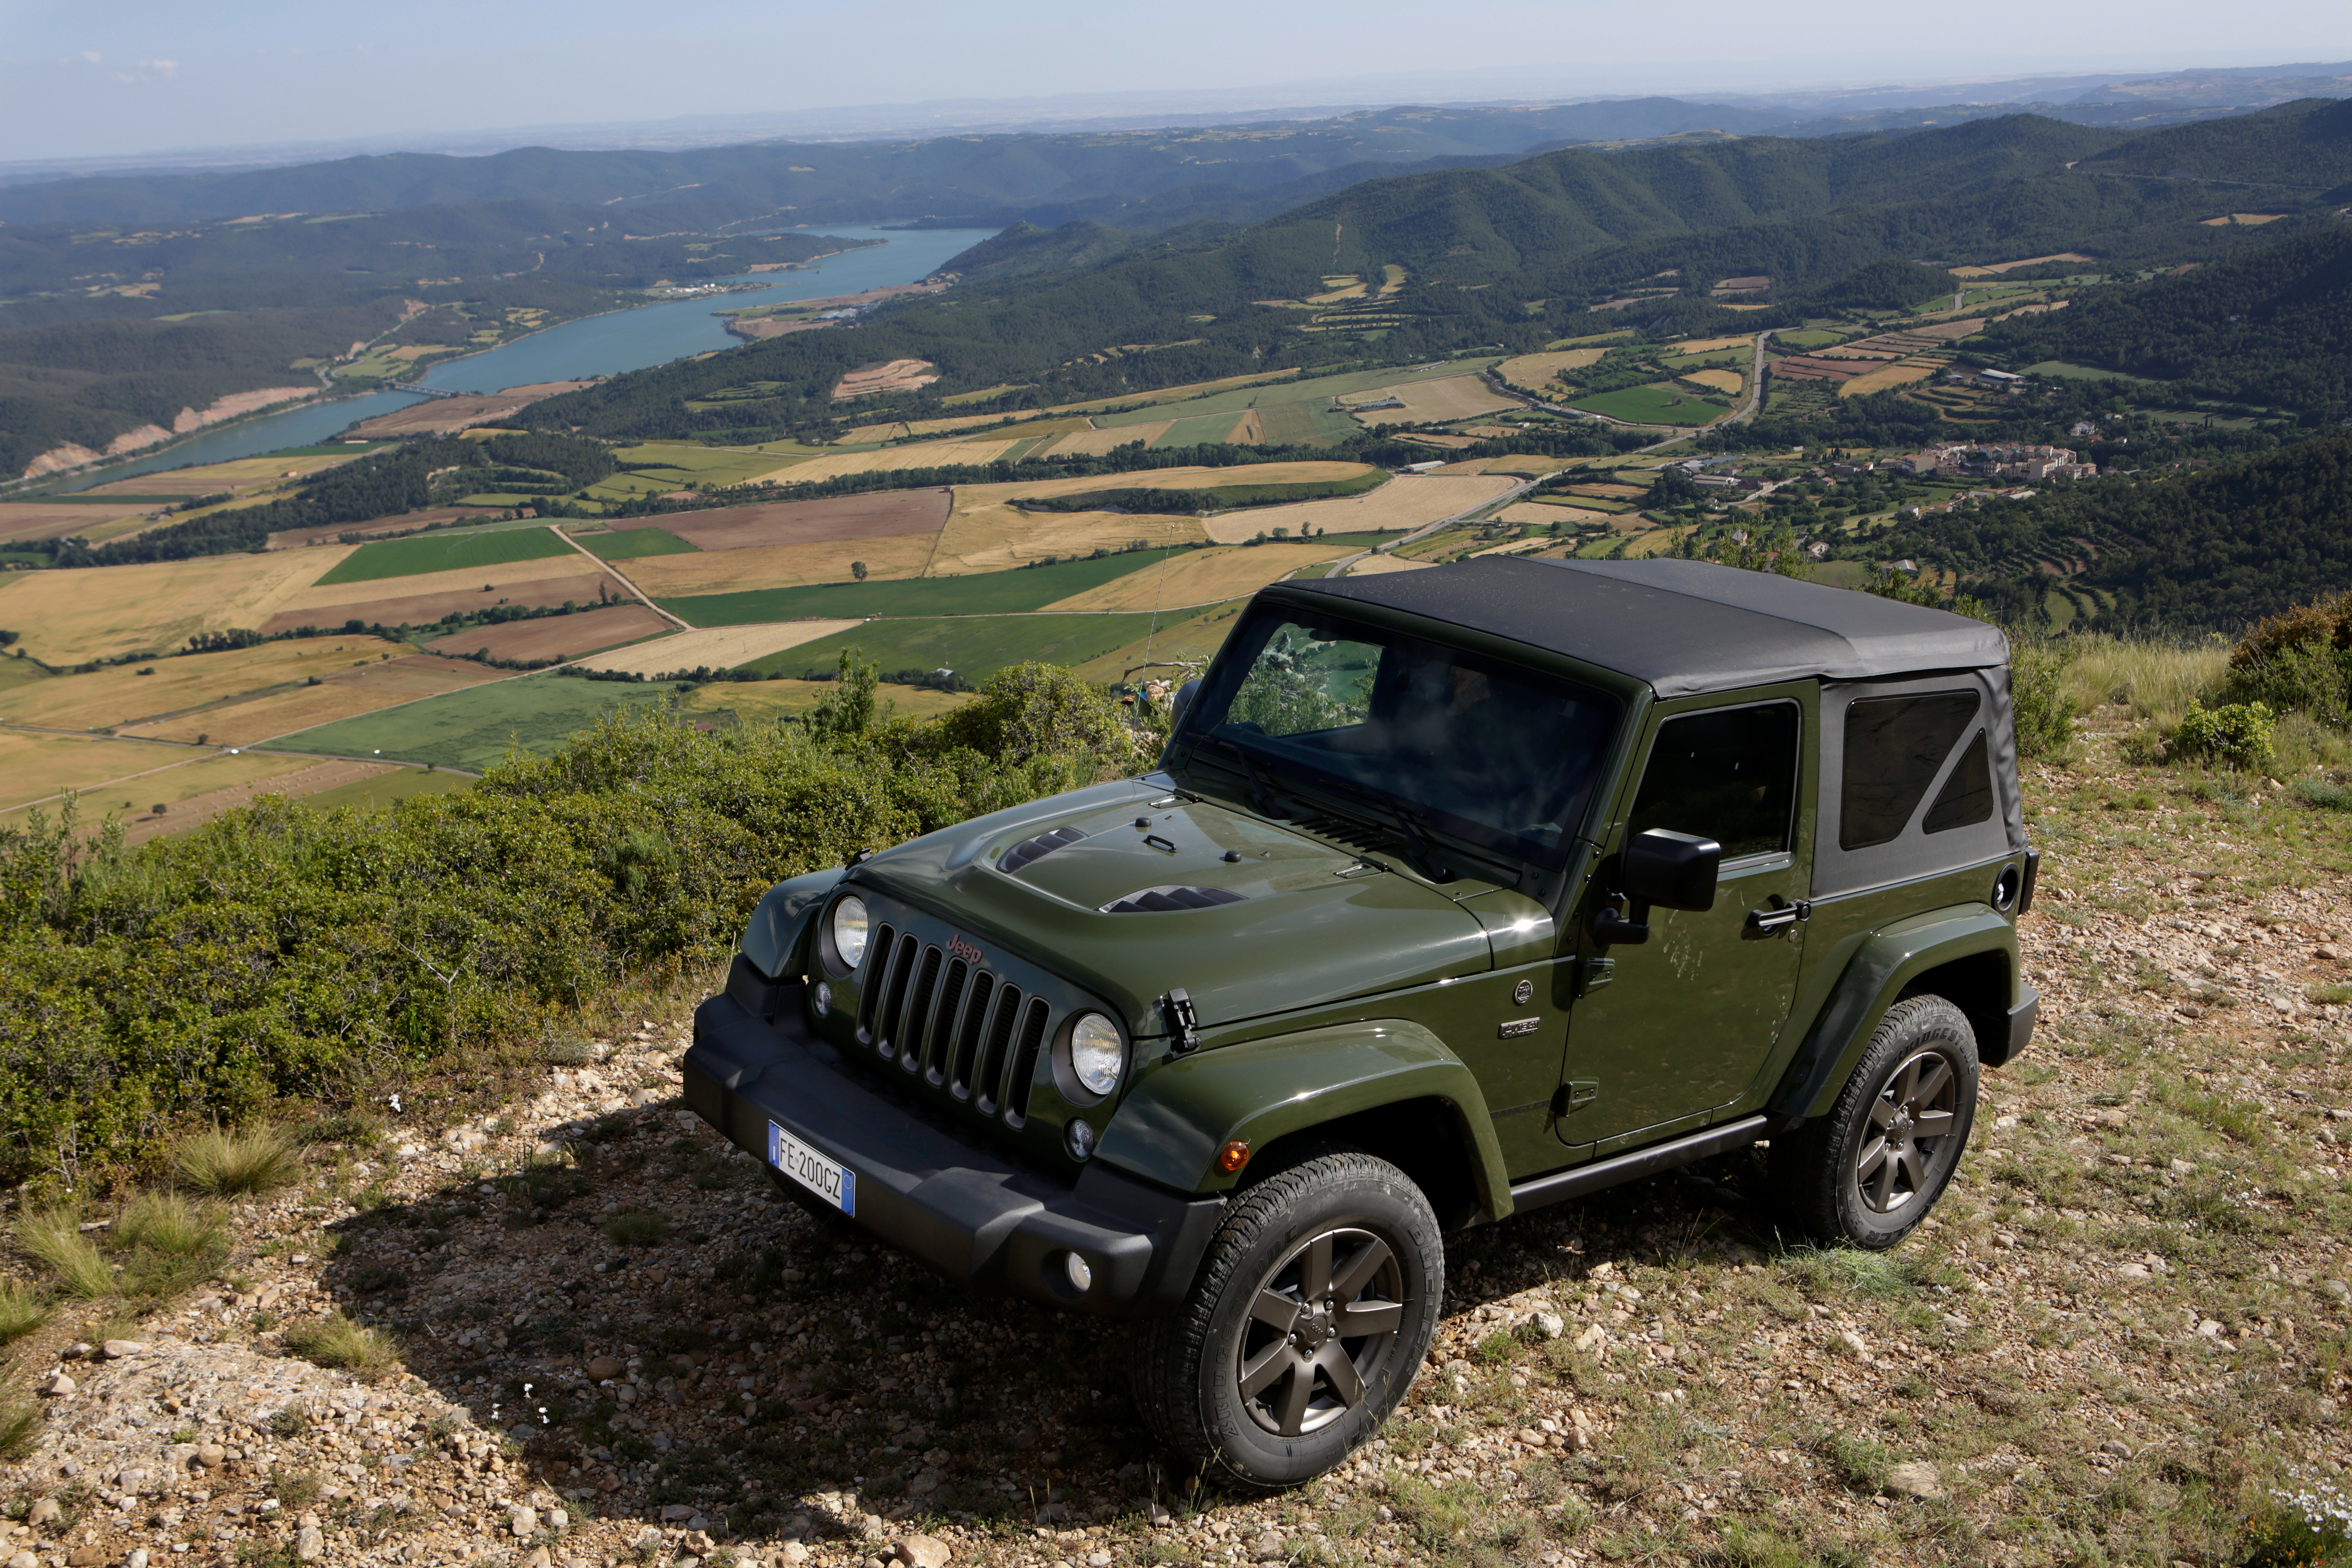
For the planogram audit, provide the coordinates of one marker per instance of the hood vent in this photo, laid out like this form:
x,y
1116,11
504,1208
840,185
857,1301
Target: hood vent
x,y
1165,900
1044,845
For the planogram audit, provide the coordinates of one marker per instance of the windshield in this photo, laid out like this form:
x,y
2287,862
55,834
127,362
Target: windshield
x,y
1495,755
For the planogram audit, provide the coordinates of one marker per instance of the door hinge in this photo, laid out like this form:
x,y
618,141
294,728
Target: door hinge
x,y
1573,1096
1593,974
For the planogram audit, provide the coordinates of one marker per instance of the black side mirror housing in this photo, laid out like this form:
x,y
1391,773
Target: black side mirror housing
x,y
1659,867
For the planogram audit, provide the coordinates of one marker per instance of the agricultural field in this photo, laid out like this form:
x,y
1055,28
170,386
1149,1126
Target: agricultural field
x,y
765,567
1431,401
630,544
1536,372
555,636
115,776
1405,503
975,647
769,700
1993,269
718,647
422,600
238,476
1729,382
682,466
1102,442
990,593
474,728
885,376
1536,514
876,514
1900,374
380,527
447,415
202,791
1192,638
457,549
890,460
1653,405
383,787
94,613
1380,565
21,520
1708,345
356,689
1203,577
125,694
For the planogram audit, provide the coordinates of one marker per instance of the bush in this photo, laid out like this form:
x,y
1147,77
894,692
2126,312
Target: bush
x,y
2045,708
2327,623
2310,678
2238,734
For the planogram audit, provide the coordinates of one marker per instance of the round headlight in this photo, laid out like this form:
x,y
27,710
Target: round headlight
x,y
1097,1054
850,924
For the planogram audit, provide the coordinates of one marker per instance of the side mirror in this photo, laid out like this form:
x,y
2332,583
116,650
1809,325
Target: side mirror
x,y
1676,870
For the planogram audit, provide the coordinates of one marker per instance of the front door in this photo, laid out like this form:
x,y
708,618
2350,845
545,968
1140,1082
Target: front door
x,y
1669,1029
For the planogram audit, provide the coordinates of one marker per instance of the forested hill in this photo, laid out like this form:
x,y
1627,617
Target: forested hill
x,y
2305,145
2272,327
2218,548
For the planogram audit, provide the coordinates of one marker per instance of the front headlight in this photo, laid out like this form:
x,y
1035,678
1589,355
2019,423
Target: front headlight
x,y
1097,1056
850,925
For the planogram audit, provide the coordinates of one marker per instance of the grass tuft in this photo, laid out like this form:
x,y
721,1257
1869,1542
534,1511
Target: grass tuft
x,y
638,1228
222,1163
22,1311
19,1424
54,1237
335,1340
167,1222
1850,1269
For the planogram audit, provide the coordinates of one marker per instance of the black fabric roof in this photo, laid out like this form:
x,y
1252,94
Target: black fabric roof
x,y
1684,626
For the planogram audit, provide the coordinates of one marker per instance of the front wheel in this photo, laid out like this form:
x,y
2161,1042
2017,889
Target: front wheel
x,y
1313,1309
1866,1174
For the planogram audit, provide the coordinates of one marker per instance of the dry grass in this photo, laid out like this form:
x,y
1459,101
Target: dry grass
x,y
1896,375
1441,398
53,1237
75,616
1377,565
127,692
222,1163
1408,503
1536,372
1721,379
1102,442
464,579
22,1311
334,1341
2146,680
1202,577
1707,345
718,647
1539,514
342,696
779,566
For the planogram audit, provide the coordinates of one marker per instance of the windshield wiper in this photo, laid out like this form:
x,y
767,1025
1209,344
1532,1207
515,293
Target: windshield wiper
x,y
1417,849
1261,794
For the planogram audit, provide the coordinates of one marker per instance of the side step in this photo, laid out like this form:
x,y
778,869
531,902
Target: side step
x,y
1581,1179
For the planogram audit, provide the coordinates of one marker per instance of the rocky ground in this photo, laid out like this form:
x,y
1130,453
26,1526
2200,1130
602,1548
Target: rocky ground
x,y
2127,1329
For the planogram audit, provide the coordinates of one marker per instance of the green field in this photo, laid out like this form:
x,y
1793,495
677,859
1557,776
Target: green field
x,y
1301,408
1200,430
987,593
973,646
1811,338
628,544
1653,405
2084,374
475,728
456,549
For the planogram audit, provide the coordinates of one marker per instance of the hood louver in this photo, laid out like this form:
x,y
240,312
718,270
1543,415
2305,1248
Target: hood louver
x,y
1044,845
1164,900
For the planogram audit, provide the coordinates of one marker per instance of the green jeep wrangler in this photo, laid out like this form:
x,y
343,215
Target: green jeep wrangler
x,y
1457,892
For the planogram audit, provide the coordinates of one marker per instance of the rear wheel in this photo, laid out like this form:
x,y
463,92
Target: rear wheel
x,y
1866,1174
1314,1308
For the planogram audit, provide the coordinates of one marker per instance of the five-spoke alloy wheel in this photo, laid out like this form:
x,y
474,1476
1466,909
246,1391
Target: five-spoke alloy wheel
x,y
1313,1309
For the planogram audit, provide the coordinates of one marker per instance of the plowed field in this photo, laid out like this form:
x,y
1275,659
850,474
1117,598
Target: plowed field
x,y
555,636
876,516
33,520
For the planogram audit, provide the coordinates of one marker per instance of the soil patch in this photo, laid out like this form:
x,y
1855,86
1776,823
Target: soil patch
x,y
874,515
555,636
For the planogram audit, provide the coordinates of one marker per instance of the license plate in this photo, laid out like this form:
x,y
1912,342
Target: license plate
x,y
836,1184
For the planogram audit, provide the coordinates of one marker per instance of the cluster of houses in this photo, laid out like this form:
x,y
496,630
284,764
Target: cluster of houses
x,y
2011,461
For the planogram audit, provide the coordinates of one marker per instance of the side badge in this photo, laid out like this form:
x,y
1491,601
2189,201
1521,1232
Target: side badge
x,y
1517,1027
1523,993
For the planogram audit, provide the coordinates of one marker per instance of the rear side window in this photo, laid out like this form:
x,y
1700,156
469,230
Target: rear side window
x,y
1894,748
1730,776
1966,797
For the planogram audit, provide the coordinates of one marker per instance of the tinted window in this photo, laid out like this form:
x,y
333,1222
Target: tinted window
x,y
1730,776
1894,747
1967,795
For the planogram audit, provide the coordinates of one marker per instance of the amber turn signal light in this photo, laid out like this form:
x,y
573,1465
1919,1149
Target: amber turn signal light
x,y
1233,1156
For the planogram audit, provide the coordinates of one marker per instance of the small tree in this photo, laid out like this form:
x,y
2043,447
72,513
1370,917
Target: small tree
x,y
847,709
858,570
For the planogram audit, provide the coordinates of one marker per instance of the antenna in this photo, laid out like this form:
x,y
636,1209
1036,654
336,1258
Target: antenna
x,y
1159,590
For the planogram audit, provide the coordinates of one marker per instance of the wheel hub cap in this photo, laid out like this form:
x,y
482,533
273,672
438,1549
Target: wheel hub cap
x,y
1322,1327
1905,1147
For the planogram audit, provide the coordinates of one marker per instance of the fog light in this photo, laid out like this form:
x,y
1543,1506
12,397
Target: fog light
x,y
1082,1139
1081,1277
822,999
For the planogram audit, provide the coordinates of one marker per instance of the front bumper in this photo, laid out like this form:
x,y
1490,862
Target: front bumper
x,y
946,1199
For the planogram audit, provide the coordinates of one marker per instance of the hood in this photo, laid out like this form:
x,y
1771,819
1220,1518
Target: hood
x,y
1128,891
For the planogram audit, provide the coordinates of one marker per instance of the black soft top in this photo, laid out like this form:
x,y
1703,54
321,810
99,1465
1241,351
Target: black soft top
x,y
1684,626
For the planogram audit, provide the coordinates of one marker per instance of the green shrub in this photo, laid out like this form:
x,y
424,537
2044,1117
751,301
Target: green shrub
x,y
2309,678
2327,796
2237,734
2045,708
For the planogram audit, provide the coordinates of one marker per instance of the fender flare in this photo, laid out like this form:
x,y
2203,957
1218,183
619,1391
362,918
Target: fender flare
x,y
775,939
1873,980
1185,1109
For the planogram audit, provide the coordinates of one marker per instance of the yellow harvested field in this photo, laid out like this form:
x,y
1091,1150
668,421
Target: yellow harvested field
x,y
1102,442
1443,398
463,580
1408,502
778,566
119,695
1304,472
1172,394
885,376
64,520
240,475
1535,371
992,535
719,647
1376,565
1892,376
1526,465
34,768
1538,513
922,454
1721,379
1202,577
344,695
1185,642
1996,268
93,612
1708,345
210,792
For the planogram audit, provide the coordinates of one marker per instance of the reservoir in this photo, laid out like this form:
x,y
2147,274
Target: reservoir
x,y
597,346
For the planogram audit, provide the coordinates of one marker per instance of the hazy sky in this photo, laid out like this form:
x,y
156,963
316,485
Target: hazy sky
x,y
85,79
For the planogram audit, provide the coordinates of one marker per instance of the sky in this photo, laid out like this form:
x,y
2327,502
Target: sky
x,y
79,80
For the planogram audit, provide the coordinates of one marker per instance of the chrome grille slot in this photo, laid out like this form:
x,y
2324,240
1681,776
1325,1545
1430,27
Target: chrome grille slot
x,y
894,996
878,961
943,1022
991,1077
1024,1063
968,1038
918,1009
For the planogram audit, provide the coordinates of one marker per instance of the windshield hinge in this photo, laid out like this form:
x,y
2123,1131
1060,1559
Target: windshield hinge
x,y
1183,1024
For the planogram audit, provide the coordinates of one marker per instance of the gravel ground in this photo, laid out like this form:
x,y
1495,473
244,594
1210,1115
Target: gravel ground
x,y
2126,1329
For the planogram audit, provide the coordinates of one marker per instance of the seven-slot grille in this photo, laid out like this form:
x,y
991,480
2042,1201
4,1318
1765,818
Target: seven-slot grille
x,y
960,1026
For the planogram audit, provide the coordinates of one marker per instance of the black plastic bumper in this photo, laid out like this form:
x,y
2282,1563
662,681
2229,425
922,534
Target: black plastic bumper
x,y
2020,1032
947,1200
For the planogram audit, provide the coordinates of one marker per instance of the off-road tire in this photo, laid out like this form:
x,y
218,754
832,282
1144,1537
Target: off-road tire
x,y
1823,1189
1188,1371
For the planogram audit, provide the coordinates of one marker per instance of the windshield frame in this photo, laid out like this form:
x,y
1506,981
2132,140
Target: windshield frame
x,y
1288,769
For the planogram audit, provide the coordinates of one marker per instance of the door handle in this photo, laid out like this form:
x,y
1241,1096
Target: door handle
x,y
1780,918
